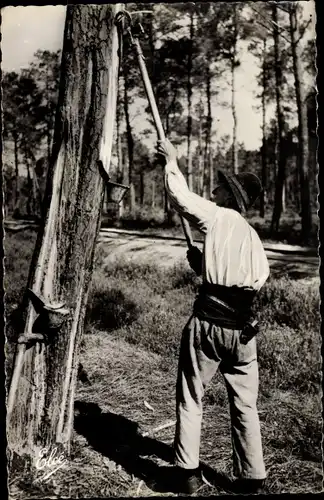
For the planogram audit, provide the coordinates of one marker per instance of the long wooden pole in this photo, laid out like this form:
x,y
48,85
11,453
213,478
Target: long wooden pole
x,y
157,121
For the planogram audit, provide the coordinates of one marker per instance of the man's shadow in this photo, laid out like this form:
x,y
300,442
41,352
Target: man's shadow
x,y
119,439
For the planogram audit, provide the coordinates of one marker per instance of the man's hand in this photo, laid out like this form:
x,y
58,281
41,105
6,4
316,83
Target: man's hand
x,y
166,149
194,256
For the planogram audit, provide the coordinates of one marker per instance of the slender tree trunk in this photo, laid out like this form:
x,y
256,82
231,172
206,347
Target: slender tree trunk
x,y
151,43
33,196
61,268
303,156
49,142
17,183
263,147
211,172
37,194
281,174
30,197
207,165
120,175
142,188
130,145
234,113
189,100
200,152
30,190
167,125
209,129
153,194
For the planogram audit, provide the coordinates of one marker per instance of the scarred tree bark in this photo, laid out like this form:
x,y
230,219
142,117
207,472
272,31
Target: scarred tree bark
x,y
62,263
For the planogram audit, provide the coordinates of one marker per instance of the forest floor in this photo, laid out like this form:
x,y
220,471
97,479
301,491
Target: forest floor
x,y
135,315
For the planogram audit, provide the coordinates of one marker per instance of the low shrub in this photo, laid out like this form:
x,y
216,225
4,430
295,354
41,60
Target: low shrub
x,y
154,305
289,359
285,302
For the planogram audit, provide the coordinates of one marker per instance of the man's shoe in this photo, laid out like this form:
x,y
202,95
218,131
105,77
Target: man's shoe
x,y
248,486
178,480
187,480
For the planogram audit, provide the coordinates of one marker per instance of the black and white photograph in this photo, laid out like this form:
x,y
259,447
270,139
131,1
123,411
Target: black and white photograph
x,y
160,204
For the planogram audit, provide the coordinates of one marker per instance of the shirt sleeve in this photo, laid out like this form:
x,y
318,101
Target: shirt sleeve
x,y
196,209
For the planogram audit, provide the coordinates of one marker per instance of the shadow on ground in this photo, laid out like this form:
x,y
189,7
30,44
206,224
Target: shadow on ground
x,y
119,439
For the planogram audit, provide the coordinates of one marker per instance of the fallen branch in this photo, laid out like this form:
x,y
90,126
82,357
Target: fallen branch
x,y
139,488
159,428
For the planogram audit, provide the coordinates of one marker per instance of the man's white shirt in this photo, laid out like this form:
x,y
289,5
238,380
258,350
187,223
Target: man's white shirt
x,y
233,253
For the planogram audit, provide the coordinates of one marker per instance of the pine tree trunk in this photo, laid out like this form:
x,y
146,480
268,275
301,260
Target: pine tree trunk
x,y
17,183
153,194
234,113
207,166
281,174
130,145
142,188
49,139
303,156
189,100
263,147
120,176
30,190
200,153
61,268
209,130
37,194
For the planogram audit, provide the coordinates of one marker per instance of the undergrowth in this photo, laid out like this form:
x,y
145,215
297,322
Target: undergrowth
x,y
134,320
149,307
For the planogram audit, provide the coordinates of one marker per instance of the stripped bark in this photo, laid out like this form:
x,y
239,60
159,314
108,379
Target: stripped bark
x,y
62,263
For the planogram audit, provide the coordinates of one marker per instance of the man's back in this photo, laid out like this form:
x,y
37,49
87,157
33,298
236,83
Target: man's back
x,y
233,253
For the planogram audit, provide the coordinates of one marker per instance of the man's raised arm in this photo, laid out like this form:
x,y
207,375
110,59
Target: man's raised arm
x,y
196,209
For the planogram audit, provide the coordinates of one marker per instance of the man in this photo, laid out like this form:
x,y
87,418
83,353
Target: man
x,y
220,332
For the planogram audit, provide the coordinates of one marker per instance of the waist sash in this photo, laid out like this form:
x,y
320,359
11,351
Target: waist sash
x,y
228,307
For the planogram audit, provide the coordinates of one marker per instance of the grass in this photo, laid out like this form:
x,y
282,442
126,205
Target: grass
x,y
130,348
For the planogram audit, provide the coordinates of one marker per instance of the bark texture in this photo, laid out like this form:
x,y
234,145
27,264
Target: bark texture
x,y
62,263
